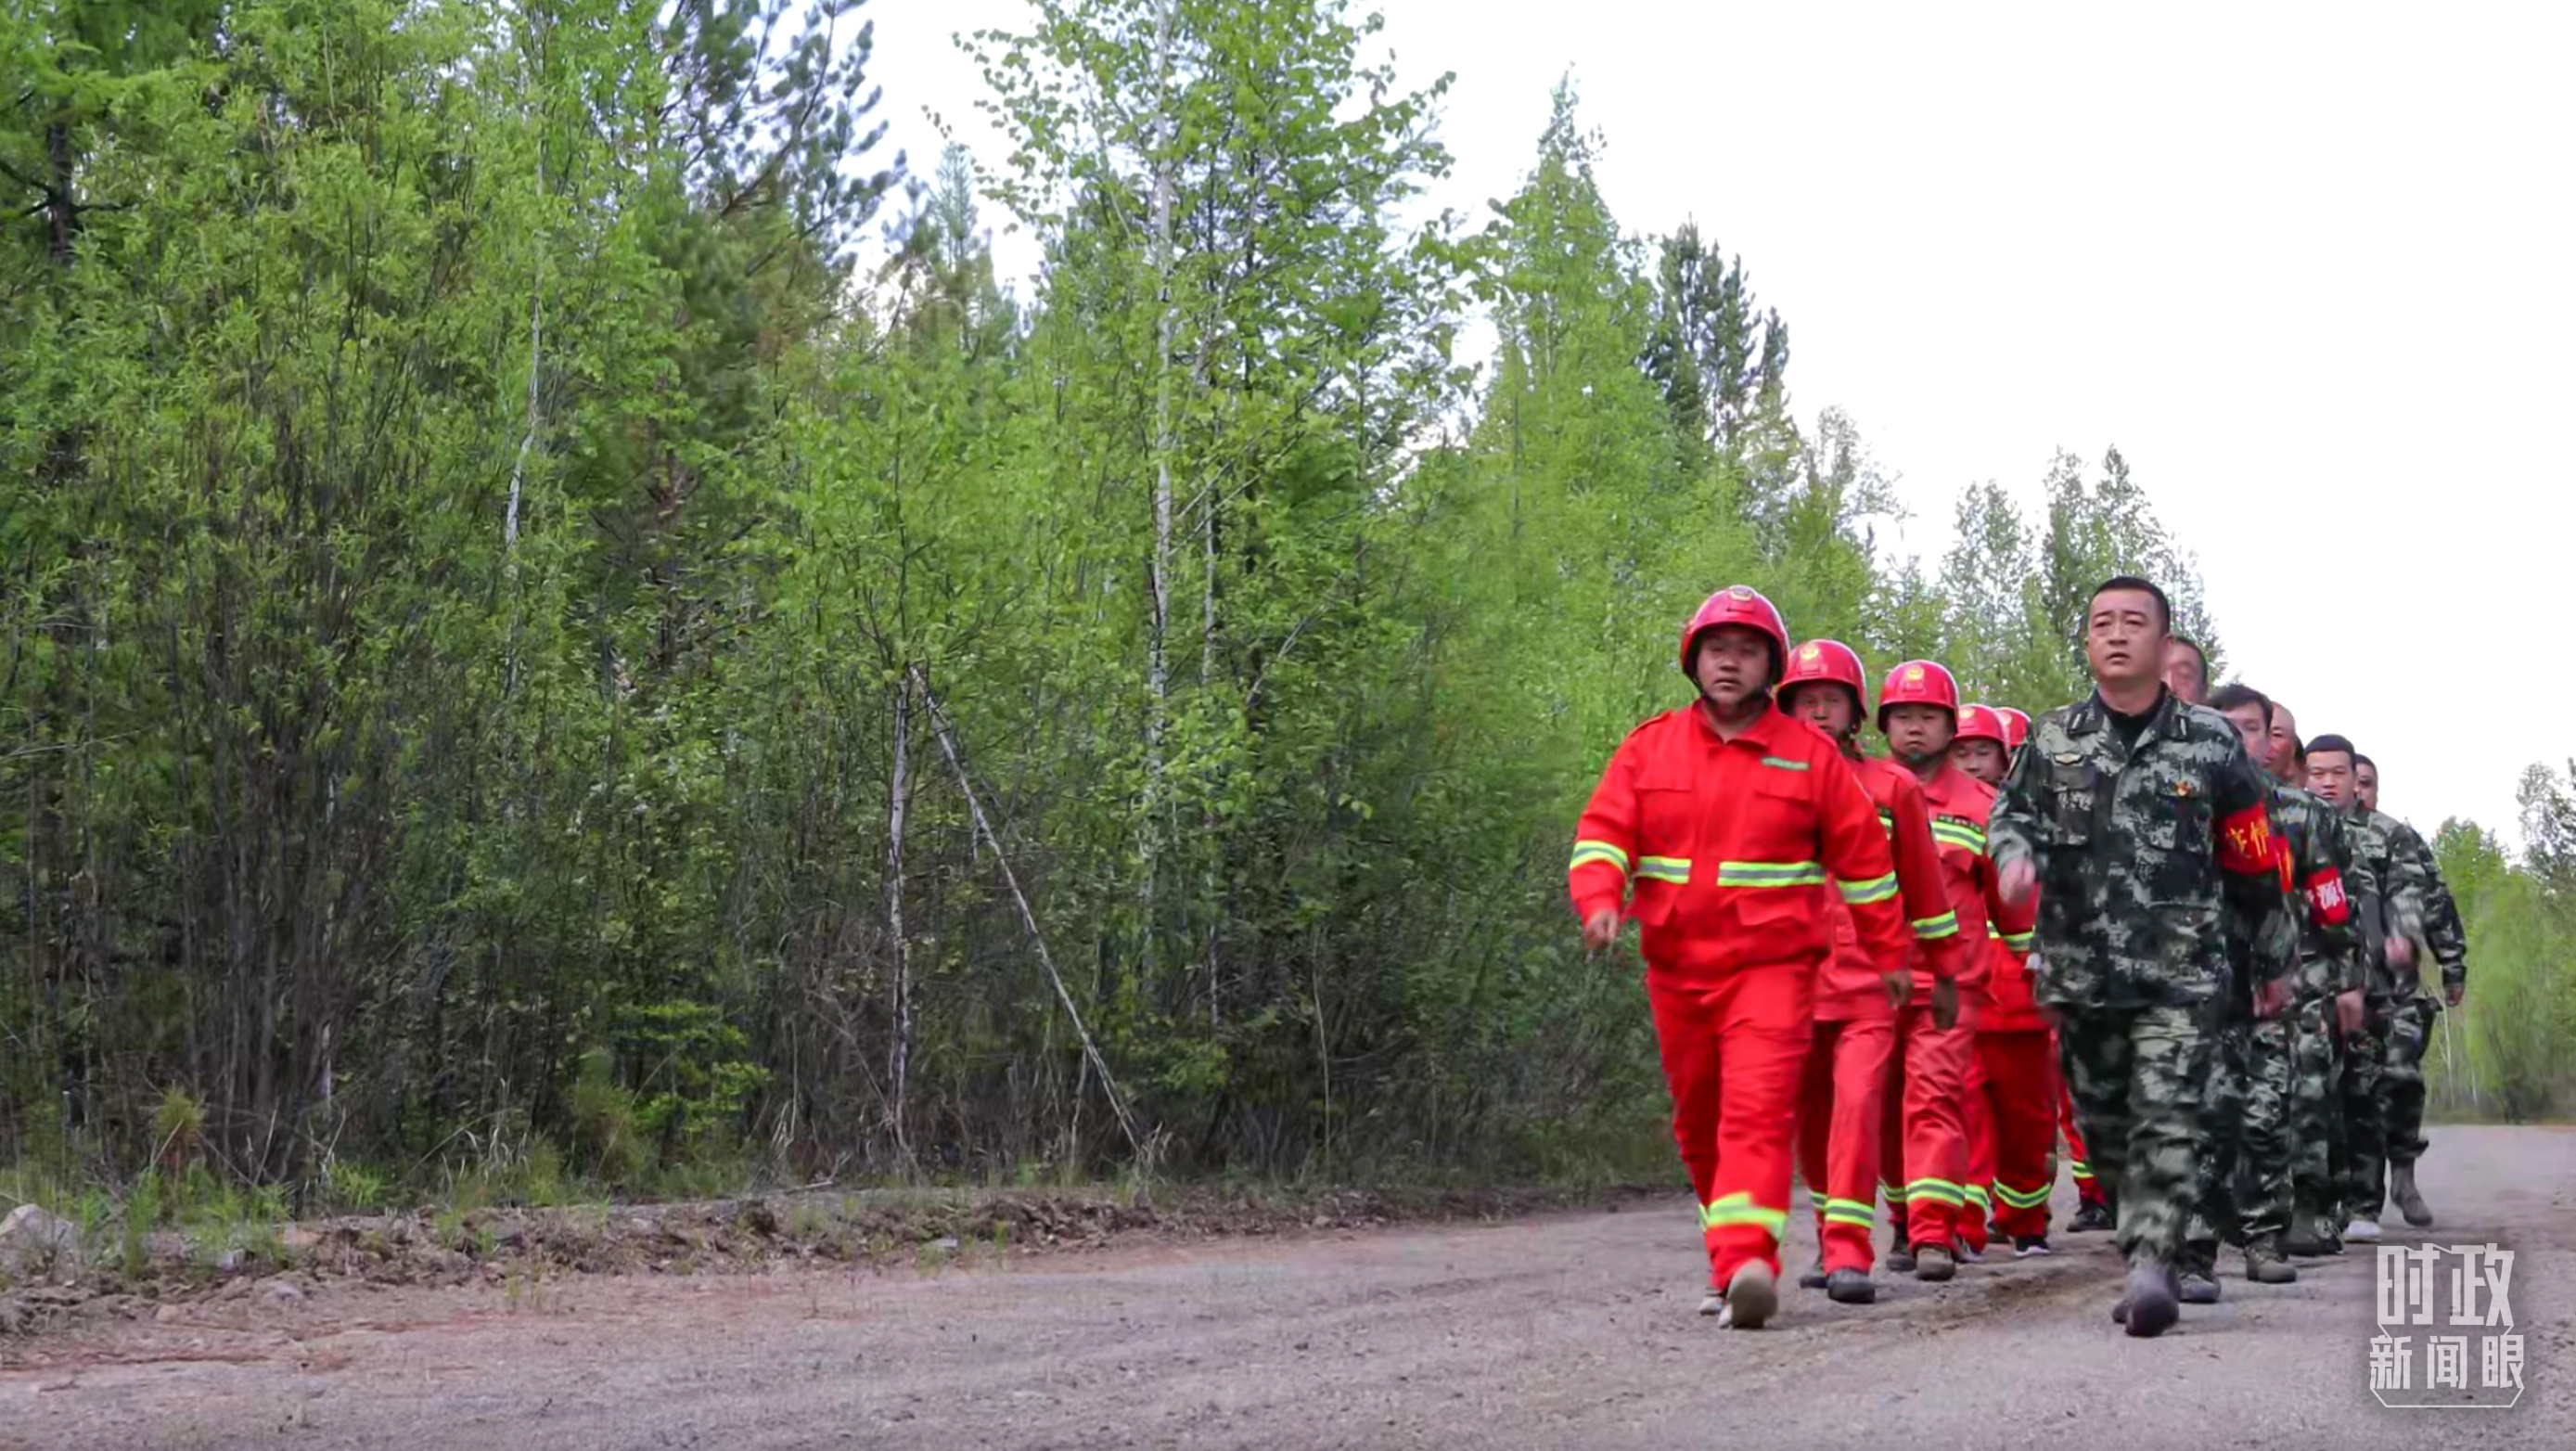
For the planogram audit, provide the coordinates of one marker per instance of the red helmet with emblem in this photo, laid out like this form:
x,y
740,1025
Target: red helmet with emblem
x,y
1983,723
1738,605
2016,726
1829,662
1918,682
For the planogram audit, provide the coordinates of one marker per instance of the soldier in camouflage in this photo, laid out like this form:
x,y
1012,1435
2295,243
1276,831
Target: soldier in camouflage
x,y
2410,1018
2147,833
2400,935
2264,1115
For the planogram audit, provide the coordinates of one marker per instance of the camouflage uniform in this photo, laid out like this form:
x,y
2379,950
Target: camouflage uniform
x,y
2319,1145
2400,913
2145,852
2410,1016
2265,1100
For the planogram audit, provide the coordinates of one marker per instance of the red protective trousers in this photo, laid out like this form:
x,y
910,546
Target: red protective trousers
x,y
1926,1132
1838,1129
1734,1048
1977,1120
2021,1096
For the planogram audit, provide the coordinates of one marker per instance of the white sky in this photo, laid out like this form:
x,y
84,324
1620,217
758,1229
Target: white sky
x,y
2312,268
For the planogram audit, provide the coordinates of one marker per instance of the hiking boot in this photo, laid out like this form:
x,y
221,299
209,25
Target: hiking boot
x,y
2303,1237
2027,1245
2199,1287
2410,1202
2151,1307
1900,1259
1851,1287
1751,1297
2089,1219
1815,1279
2265,1265
2361,1231
1932,1263
1967,1253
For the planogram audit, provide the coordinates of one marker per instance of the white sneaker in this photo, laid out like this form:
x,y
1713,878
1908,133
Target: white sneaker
x,y
1966,1255
2361,1231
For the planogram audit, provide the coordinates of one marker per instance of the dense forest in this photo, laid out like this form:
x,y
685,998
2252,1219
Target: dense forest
x,y
561,625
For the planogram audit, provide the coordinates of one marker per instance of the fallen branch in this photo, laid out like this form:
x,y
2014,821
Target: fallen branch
x,y
1136,1140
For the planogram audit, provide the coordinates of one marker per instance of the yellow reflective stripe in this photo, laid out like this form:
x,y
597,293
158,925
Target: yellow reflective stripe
x,y
1861,894
1933,929
1895,1192
1673,869
1977,1196
2021,1198
1850,1211
2080,1169
1598,851
1940,1189
2019,941
1770,874
1777,764
1960,834
1737,1209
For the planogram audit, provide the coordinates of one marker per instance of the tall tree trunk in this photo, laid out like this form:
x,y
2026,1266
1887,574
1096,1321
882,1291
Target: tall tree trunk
x,y
1157,668
898,804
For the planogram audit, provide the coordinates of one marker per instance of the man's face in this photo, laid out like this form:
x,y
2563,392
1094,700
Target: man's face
x,y
1981,758
2248,720
2365,784
2124,637
1732,667
2330,776
1824,705
1918,733
2184,674
2283,750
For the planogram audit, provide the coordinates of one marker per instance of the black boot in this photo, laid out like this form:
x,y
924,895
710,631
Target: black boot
x,y
2410,1202
1851,1287
2152,1306
2265,1265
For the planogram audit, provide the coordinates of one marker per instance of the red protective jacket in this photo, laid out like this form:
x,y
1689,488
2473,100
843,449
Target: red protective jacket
x,y
1960,805
2011,1007
1852,986
1723,842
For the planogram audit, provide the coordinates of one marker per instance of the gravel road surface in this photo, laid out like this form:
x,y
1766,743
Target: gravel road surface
x,y
1566,1330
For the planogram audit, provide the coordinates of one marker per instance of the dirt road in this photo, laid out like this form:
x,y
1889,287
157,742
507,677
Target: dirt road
x,y
1563,1331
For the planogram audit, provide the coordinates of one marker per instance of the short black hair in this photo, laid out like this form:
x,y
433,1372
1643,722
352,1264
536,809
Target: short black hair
x,y
2298,750
2197,653
2317,744
2237,693
2359,759
2164,607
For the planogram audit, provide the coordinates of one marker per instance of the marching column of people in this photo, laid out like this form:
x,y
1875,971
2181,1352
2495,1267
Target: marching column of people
x,y
2168,931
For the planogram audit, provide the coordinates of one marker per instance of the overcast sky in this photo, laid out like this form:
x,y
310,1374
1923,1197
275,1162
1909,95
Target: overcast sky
x,y
2311,268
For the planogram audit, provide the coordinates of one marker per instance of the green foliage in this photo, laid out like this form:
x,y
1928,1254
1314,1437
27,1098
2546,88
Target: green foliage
x,y
2509,1051
519,642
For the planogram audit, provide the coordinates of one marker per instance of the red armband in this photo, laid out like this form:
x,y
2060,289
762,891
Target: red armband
x,y
2327,905
2245,843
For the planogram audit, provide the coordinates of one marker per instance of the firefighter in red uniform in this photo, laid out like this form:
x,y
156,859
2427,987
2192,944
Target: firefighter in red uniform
x,y
2016,1058
1929,1124
1839,1110
1713,826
